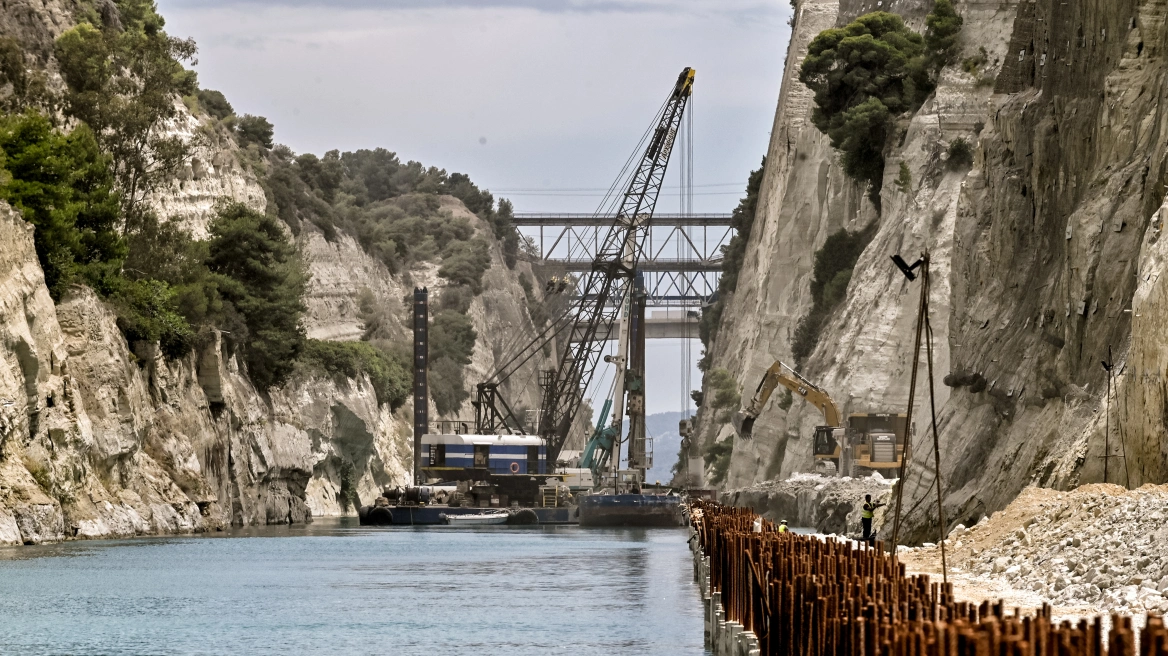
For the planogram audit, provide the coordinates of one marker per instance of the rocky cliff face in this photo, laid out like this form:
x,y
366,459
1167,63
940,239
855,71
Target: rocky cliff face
x,y
99,441
1044,253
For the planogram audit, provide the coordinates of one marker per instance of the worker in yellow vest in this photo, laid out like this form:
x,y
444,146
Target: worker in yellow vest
x,y
783,526
866,515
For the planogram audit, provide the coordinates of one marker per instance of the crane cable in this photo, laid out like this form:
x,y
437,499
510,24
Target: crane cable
x,y
610,201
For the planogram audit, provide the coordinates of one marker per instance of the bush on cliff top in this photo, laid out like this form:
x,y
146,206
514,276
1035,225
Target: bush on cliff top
x,y
863,74
867,73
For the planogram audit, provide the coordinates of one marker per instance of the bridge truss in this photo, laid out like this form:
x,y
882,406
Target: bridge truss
x,y
681,263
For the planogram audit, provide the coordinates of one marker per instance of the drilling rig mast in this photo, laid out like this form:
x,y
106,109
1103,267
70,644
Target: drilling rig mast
x,y
603,298
606,290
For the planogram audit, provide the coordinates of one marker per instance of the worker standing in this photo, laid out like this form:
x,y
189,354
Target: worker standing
x,y
783,526
866,516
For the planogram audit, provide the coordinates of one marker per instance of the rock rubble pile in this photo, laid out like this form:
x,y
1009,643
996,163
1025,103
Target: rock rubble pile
x,y
830,505
1098,546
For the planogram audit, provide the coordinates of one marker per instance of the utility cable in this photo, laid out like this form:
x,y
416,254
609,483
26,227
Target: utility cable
x,y
936,440
1122,441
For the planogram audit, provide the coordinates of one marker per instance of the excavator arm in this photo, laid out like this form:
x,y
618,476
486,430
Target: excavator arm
x,y
781,374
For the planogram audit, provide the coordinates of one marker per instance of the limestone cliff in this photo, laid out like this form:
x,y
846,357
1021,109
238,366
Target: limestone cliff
x,y
1044,253
97,440
98,443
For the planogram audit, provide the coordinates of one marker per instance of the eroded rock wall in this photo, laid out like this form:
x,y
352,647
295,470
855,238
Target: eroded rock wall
x,y
96,441
100,441
1045,253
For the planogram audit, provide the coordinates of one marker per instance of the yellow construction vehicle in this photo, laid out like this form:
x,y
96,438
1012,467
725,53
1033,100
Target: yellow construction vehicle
x,y
871,441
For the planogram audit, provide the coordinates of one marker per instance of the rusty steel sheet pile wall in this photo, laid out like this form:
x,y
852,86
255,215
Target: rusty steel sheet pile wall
x,y
809,596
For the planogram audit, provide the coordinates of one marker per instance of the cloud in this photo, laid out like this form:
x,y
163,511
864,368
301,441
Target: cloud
x,y
744,8
561,98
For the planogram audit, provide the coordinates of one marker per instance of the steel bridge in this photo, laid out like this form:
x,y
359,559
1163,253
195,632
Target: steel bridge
x,y
674,323
681,264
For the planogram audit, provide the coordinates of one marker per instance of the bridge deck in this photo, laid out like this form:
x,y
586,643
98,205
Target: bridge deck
x,y
529,219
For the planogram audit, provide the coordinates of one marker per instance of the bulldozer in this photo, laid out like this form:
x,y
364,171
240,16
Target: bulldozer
x,y
869,442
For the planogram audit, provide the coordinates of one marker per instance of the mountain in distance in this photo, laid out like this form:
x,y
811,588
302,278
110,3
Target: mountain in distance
x,y
662,427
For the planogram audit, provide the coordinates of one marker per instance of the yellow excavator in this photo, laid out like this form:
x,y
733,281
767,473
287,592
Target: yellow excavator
x,y
871,442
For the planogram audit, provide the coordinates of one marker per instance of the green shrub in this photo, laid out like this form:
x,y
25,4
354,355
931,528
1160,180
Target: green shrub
x,y
323,175
122,84
831,274
973,65
61,184
942,28
863,75
502,222
447,386
697,396
452,341
388,372
725,389
452,336
254,130
717,457
960,154
293,198
785,400
455,299
465,262
259,271
215,103
867,73
146,312
904,179
140,16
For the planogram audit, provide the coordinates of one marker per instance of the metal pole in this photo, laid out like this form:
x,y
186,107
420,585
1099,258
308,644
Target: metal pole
x,y
908,425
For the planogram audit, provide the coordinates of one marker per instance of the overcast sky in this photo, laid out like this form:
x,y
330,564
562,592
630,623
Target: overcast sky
x,y
538,101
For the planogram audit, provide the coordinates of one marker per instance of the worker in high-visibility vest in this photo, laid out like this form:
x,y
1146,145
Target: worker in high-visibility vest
x,y
866,515
783,526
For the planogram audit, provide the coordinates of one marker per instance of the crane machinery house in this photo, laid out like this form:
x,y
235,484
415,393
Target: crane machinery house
x,y
445,456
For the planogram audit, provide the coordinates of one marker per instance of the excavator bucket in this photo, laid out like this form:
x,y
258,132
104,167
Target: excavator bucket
x,y
743,425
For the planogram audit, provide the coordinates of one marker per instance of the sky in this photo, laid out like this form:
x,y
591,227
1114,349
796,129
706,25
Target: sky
x,y
539,101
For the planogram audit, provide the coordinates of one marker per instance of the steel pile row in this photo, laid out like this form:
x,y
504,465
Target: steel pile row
x,y
807,596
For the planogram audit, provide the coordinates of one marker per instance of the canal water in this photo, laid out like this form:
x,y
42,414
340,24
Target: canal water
x,y
336,588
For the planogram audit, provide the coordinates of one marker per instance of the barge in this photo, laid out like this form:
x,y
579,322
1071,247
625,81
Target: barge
x,y
476,474
418,515
640,510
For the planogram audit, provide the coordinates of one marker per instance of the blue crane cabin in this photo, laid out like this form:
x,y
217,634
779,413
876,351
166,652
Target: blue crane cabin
x,y
499,455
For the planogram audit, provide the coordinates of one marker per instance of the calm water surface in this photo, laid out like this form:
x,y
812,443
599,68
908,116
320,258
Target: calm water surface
x,y
336,588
